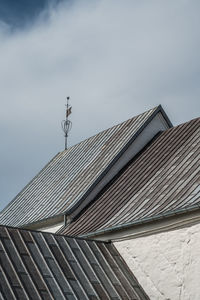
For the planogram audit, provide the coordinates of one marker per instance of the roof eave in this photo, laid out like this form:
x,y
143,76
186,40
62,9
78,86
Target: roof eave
x,y
159,217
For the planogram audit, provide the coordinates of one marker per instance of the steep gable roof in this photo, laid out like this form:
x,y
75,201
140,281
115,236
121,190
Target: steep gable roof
x,y
163,180
73,173
36,265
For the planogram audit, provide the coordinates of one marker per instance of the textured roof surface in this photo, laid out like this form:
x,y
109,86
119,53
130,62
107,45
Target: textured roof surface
x,y
36,265
70,174
164,178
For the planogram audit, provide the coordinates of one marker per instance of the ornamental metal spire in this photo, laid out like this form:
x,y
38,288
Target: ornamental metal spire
x,y
67,124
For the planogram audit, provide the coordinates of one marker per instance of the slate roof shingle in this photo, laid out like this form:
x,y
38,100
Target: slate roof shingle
x,y
36,265
164,178
63,182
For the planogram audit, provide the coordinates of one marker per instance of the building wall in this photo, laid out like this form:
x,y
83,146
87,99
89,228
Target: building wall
x,y
166,264
52,229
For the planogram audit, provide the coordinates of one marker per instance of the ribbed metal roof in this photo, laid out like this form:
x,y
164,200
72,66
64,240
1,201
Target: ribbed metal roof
x,y
36,265
164,178
69,175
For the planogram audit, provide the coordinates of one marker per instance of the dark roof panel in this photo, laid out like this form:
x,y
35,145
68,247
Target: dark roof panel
x,y
35,265
63,182
163,179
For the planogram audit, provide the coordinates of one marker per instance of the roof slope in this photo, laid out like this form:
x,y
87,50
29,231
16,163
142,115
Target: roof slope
x,y
164,178
70,174
35,265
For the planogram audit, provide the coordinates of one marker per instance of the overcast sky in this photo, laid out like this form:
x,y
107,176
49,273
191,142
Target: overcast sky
x,y
115,59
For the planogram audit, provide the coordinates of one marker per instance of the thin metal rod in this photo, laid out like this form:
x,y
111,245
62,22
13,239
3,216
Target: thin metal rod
x,y
66,135
66,142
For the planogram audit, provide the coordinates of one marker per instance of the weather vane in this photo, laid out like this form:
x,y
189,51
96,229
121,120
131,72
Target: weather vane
x,y
67,124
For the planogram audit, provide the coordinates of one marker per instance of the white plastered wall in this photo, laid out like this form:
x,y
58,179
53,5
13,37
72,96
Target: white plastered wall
x,y
52,229
167,264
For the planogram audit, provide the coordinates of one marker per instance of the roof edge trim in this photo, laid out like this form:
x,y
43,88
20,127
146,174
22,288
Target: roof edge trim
x,y
159,108
54,233
165,116
143,221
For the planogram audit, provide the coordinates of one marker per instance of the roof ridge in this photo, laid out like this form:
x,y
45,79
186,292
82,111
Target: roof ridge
x,y
102,131
53,233
192,120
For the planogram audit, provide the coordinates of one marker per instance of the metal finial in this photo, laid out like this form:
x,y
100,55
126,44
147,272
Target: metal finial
x,y
67,124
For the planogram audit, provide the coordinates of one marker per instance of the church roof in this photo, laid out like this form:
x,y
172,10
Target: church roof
x,y
36,265
161,181
73,173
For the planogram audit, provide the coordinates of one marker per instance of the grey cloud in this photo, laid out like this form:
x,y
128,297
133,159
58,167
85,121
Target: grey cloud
x,y
114,58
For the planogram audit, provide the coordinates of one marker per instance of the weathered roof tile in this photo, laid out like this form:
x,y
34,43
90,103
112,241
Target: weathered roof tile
x,y
63,182
61,267
163,179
